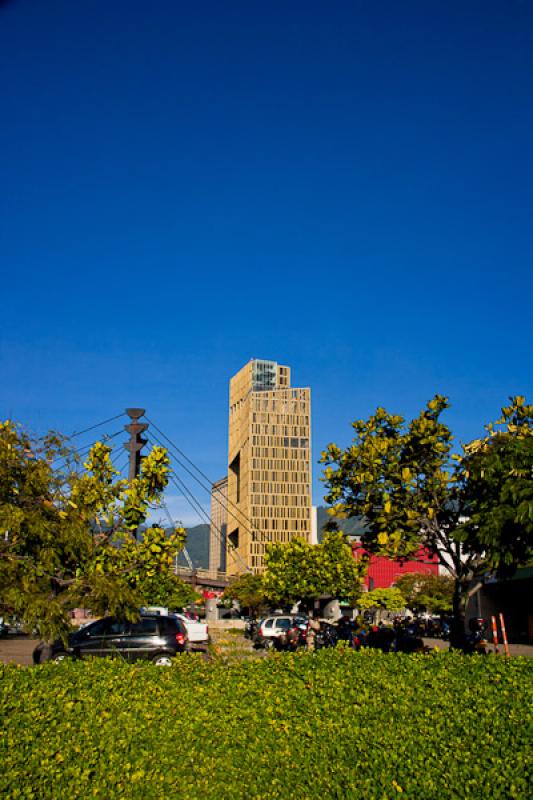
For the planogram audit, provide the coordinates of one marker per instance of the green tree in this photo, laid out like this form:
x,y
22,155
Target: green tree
x,y
426,592
299,571
168,590
402,478
69,535
248,591
381,600
498,491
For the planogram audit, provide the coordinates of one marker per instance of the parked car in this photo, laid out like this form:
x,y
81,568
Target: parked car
x,y
153,638
272,628
197,632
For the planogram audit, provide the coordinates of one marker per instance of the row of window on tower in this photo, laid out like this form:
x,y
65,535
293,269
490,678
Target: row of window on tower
x,y
280,430
282,466
281,420
280,500
283,453
279,402
283,513
287,478
272,487
280,441
271,527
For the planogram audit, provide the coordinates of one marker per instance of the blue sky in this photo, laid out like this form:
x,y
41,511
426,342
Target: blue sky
x,y
343,187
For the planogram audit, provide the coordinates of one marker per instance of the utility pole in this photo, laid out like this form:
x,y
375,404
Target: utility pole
x,y
136,442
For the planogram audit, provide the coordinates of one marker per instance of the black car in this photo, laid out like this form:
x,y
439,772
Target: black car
x,y
153,638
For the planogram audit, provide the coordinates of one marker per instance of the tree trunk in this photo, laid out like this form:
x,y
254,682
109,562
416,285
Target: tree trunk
x,y
457,632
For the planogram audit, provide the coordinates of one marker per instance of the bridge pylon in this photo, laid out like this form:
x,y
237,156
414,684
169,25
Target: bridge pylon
x,y
136,441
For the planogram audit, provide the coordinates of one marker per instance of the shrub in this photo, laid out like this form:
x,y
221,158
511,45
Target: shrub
x,y
335,724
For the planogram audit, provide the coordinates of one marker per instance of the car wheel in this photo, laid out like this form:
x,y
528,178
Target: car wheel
x,y
61,657
269,644
162,660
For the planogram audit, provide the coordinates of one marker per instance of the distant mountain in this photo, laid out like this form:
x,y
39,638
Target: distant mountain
x,y
352,527
197,545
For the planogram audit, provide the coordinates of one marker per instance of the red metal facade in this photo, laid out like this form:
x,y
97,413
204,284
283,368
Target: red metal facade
x,y
382,572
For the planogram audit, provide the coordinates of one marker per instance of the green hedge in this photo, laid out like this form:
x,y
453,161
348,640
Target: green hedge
x,y
335,724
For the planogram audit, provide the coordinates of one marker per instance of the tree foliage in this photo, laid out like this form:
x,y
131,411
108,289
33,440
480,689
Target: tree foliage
x,y
69,535
403,479
395,476
301,571
426,592
498,494
248,591
390,599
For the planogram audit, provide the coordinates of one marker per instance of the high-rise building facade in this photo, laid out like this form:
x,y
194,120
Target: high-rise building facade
x,y
269,464
218,527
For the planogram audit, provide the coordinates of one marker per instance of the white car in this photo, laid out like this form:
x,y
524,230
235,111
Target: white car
x,y
197,632
271,628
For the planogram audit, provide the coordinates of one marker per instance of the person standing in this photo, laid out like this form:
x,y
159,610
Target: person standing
x,y
312,630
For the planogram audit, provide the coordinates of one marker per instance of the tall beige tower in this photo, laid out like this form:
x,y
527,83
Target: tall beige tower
x,y
269,463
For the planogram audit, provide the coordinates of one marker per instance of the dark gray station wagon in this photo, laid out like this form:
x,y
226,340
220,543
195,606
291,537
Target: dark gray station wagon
x,y
153,638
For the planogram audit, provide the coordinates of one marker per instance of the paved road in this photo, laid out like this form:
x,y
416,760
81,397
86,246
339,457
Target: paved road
x,y
18,649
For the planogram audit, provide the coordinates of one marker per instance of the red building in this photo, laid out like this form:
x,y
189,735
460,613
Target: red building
x,y
382,572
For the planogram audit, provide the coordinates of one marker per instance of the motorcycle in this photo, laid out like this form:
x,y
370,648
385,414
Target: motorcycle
x,y
445,631
295,637
250,628
476,641
326,636
381,637
345,631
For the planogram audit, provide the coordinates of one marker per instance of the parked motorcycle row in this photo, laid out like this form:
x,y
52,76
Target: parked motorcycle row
x,y
289,633
473,641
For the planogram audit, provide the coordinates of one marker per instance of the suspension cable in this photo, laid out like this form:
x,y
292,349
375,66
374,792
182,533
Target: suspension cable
x,y
173,524
98,425
224,500
83,451
193,502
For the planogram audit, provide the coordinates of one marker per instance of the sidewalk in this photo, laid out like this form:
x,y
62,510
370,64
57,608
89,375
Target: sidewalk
x,y
514,649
